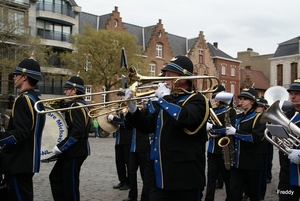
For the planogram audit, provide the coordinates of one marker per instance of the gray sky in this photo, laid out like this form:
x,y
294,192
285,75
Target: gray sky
x,y
235,24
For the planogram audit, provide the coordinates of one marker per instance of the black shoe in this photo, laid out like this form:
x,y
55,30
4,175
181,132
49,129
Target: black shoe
x,y
118,185
130,199
125,187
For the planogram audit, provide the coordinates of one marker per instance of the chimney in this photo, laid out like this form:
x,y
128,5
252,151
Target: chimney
x,y
116,8
216,45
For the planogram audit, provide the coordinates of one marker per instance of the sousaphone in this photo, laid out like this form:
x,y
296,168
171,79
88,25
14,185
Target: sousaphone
x,y
275,93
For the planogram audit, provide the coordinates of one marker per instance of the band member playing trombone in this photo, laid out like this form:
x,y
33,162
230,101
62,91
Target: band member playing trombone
x,y
289,165
179,128
122,147
247,133
21,142
215,159
74,149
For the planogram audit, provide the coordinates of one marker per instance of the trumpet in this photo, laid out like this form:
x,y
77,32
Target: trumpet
x,y
135,80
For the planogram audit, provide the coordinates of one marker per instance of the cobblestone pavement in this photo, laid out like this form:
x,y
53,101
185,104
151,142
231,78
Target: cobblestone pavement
x,y
98,175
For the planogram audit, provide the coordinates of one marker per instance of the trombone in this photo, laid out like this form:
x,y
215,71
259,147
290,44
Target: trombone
x,y
135,80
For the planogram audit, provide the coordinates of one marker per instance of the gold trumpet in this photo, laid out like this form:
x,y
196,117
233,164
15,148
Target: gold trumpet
x,y
135,81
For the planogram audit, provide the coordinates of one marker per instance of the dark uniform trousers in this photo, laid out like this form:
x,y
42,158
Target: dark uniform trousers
x,y
20,186
122,148
137,159
216,164
122,162
63,183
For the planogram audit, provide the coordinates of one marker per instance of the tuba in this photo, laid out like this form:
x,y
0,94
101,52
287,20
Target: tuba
x,y
275,116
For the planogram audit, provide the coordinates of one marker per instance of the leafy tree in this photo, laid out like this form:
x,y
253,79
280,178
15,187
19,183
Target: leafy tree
x,y
16,43
97,56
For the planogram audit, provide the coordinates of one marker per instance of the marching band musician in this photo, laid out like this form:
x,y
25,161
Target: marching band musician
x,y
179,128
122,147
289,165
74,148
248,134
267,150
215,161
22,142
137,158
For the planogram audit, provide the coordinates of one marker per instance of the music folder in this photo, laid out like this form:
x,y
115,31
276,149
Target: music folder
x,y
277,130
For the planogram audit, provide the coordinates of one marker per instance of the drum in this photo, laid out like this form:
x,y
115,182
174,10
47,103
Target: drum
x,y
55,130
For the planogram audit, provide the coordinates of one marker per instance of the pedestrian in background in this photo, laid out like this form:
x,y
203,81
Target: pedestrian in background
x,y
96,127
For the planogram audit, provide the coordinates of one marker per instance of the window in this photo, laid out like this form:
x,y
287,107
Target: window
x,y
88,90
87,64
16,21
223,70
201,56
232,71
232,88
159,51
294,71
152,68
279,74
53,31
138,67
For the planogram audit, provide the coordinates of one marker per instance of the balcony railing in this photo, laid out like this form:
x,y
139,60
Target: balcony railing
x,y
23,2
55,9
53,35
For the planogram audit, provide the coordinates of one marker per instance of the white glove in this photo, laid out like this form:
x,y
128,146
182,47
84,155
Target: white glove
x,y
230,130
56,150
162,90
208,126
110,117
130,104
294,155
153,98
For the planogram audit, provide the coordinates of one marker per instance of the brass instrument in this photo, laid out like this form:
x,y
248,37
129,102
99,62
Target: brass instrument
x,y
213,118
275,116
135,80
226,142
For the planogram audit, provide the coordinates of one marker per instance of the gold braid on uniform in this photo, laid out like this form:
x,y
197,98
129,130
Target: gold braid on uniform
x,y
187,131
83,111
29,106
254,122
